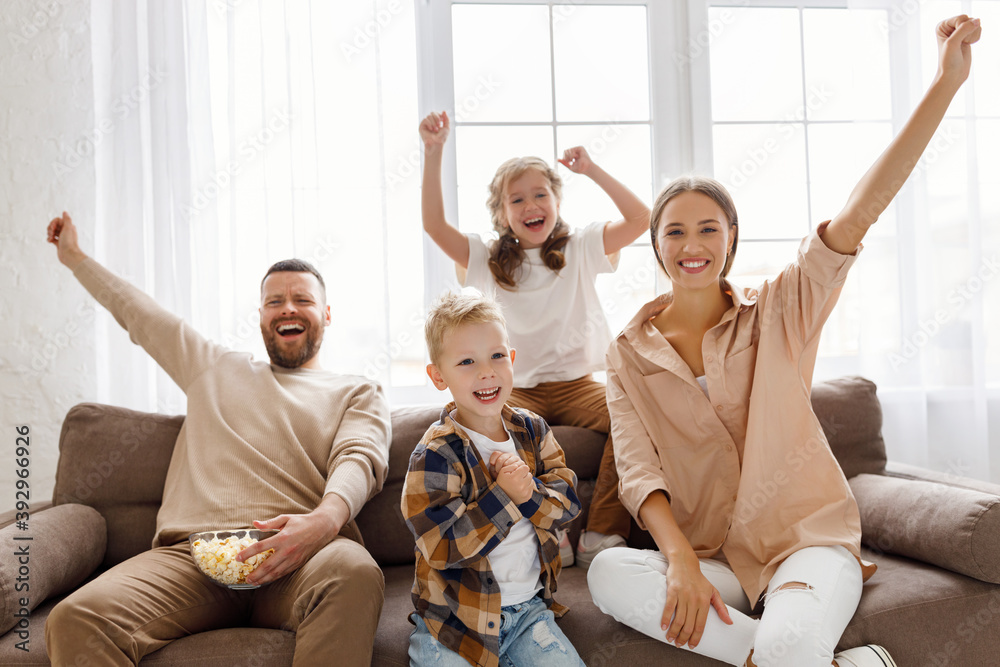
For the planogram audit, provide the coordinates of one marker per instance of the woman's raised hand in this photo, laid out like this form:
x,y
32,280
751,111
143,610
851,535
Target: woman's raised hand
x,y
434,129
955,39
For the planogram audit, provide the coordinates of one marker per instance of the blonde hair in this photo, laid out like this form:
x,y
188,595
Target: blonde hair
x,y
453,310
712,189
506,254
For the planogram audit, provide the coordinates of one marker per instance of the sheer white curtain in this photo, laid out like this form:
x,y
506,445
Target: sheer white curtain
x,y
252,132
939,374
834,82
145,93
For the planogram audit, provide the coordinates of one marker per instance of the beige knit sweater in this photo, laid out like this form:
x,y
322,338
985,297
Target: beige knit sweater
x,y
258,440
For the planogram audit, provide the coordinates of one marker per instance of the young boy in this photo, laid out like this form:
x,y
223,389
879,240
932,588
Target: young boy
x,y
486,489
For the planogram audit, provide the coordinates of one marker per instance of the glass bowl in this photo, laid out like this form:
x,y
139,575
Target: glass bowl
x,y
214,553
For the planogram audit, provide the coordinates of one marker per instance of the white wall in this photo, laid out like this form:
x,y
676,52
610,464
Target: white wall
x,y
46,112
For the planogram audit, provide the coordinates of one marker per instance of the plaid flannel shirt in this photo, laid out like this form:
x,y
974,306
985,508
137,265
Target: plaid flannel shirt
x,y
459,514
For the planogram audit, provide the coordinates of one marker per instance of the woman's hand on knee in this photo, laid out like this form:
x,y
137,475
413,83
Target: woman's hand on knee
x,y
689,598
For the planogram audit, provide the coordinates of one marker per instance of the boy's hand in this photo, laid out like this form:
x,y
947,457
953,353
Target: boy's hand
x,y
500,459
434,130
955,39
62,233
577,160
513,475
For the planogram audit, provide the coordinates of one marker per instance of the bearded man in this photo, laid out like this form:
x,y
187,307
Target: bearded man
x,y
283,445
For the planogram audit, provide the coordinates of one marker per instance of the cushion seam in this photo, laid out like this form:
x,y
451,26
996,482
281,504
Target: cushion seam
x,y
972,536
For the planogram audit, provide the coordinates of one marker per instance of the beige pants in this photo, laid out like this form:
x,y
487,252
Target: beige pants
x,y
332,603
583,402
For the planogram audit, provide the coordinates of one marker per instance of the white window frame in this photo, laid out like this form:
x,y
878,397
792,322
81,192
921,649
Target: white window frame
x,y
680,107
672,121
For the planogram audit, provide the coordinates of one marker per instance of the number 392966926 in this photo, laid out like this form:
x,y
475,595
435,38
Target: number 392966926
x,y
22,495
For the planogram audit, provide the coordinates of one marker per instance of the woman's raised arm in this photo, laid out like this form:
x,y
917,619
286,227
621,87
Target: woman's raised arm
x,y
872,195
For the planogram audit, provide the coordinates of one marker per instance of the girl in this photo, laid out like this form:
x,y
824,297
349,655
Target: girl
x,y
708,389
543,274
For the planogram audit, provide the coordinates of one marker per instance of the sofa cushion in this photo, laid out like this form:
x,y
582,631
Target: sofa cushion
x,y
851,417
955,528
115,460
381,520
926,616
61,548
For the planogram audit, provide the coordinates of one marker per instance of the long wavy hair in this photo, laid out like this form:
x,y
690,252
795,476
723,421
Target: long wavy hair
x,y
506,254
709,187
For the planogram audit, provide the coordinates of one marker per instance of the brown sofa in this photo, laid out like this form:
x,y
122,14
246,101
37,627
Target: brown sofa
x,y
934,537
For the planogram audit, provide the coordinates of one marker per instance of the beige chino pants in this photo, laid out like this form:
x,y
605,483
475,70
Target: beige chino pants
x,y
332,603
583,402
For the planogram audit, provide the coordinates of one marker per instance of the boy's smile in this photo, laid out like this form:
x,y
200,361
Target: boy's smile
x,y
476,364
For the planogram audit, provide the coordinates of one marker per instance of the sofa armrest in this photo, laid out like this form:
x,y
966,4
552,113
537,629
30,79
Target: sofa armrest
x,y
9,517
62,546
906,471
950,526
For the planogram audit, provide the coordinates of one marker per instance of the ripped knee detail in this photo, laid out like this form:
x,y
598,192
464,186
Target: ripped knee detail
x,y
790,586
793,585
546,640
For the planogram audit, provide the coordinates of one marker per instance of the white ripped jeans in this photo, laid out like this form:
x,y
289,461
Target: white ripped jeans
x,y
800,626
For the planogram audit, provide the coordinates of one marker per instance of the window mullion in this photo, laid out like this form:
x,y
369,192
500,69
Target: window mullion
x,y
673,137
435,91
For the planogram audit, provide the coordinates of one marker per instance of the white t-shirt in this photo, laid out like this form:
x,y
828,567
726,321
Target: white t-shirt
x,y
554,320
515,561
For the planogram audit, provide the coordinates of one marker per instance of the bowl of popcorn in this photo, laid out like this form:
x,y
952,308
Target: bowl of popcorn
x,y
214,552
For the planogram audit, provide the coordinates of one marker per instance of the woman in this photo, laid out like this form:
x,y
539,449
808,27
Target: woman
x,y
708,389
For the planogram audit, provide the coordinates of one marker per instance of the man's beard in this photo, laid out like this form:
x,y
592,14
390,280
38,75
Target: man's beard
x,y
291,358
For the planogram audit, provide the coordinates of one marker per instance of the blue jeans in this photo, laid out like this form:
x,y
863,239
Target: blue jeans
x,y
528,636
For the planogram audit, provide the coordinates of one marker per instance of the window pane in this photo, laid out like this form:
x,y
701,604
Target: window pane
x,y
498,77
626,290
621,150
846,65
481,150
839,155
757,261
756,64
764,168
599,78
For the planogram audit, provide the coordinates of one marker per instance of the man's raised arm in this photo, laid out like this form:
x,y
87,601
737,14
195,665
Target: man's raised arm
x,y
181,351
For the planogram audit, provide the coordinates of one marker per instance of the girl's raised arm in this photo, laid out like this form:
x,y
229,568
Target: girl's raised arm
x,y
883,180
434,132
635,213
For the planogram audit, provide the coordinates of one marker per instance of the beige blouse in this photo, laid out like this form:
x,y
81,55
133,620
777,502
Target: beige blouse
x,y
747,468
